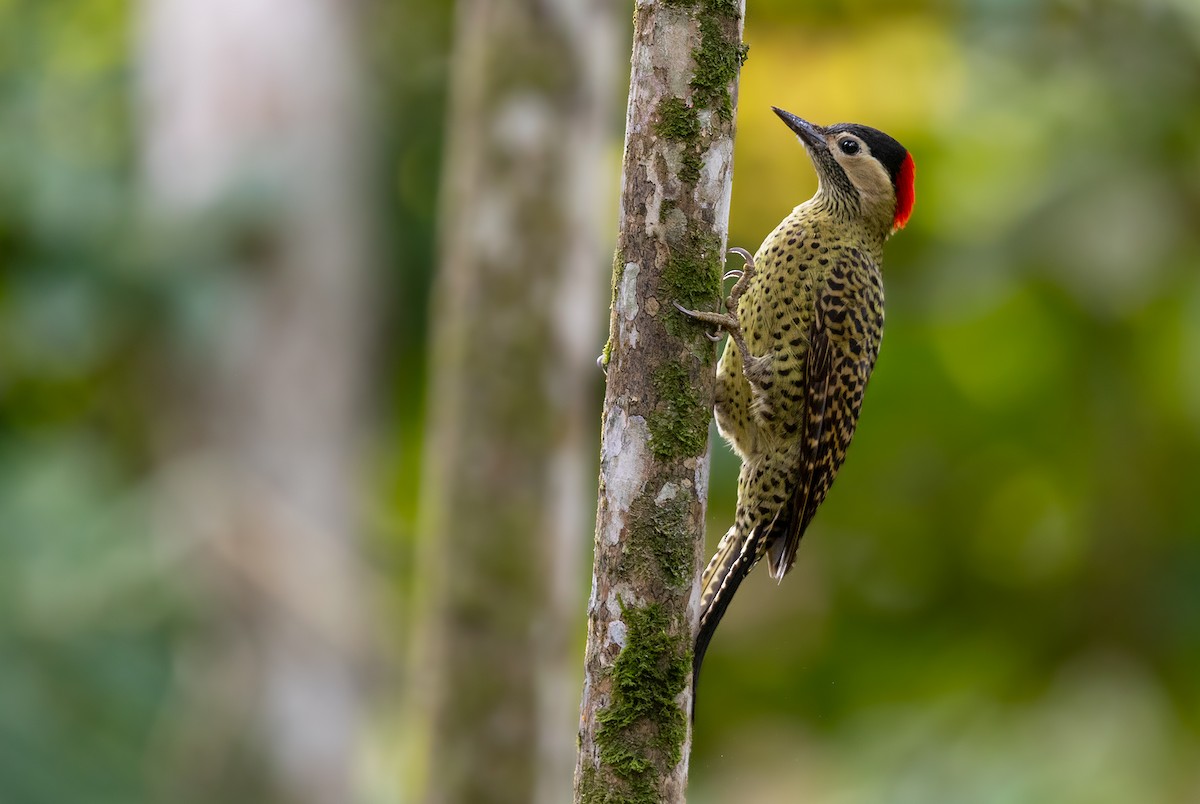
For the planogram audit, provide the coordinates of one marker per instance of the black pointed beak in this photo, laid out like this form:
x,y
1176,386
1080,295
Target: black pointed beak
x,y
812,136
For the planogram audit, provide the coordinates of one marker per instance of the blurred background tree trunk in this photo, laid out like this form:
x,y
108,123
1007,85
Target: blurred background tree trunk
x,y
514,337
253,150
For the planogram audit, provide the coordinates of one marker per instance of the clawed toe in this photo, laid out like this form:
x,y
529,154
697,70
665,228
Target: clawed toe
x,y
702,316
744,276
716,319
745,255
685,311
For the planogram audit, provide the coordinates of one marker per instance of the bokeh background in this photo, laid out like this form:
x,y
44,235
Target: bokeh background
x,y
998,603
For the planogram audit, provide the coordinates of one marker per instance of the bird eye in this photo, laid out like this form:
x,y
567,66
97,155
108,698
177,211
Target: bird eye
x,y
849,146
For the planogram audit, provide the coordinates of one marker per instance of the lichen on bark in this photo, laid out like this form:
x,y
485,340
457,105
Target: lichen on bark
x,y
659,552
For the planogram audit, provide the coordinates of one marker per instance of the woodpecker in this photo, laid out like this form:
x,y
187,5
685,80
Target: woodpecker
x,y
805,322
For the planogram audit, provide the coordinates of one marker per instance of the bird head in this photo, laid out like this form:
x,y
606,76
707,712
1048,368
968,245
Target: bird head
x,y
860,169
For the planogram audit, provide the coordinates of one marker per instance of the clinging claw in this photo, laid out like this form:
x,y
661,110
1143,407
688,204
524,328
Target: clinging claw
x,y
722,321
745,255
709,318
748,264
728,321
719,319
746,274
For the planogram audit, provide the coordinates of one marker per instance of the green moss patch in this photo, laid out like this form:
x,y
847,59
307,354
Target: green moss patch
x,y
692,277
642,731
728,8
677,120
679,423
718,60
692,274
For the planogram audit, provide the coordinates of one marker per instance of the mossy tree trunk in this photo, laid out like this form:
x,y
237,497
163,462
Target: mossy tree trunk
x,y
512,364
677,175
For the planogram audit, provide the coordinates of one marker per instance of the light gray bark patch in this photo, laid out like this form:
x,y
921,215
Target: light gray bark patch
x,y
624,460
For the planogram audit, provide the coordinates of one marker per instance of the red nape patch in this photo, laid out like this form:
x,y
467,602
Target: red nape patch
x,y
906,192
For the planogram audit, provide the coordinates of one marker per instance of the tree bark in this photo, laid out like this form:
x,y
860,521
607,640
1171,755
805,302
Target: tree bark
x,y
253,159
512,362
634,735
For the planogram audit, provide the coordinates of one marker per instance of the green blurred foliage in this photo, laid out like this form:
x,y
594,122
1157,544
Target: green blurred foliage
x,y
997,603
100,307
86,618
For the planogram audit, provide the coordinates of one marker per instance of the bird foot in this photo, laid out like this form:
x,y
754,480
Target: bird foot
x,y
744,276
722,321
728,321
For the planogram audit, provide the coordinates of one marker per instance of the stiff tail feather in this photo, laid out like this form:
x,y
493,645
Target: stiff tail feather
x,y
736,555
